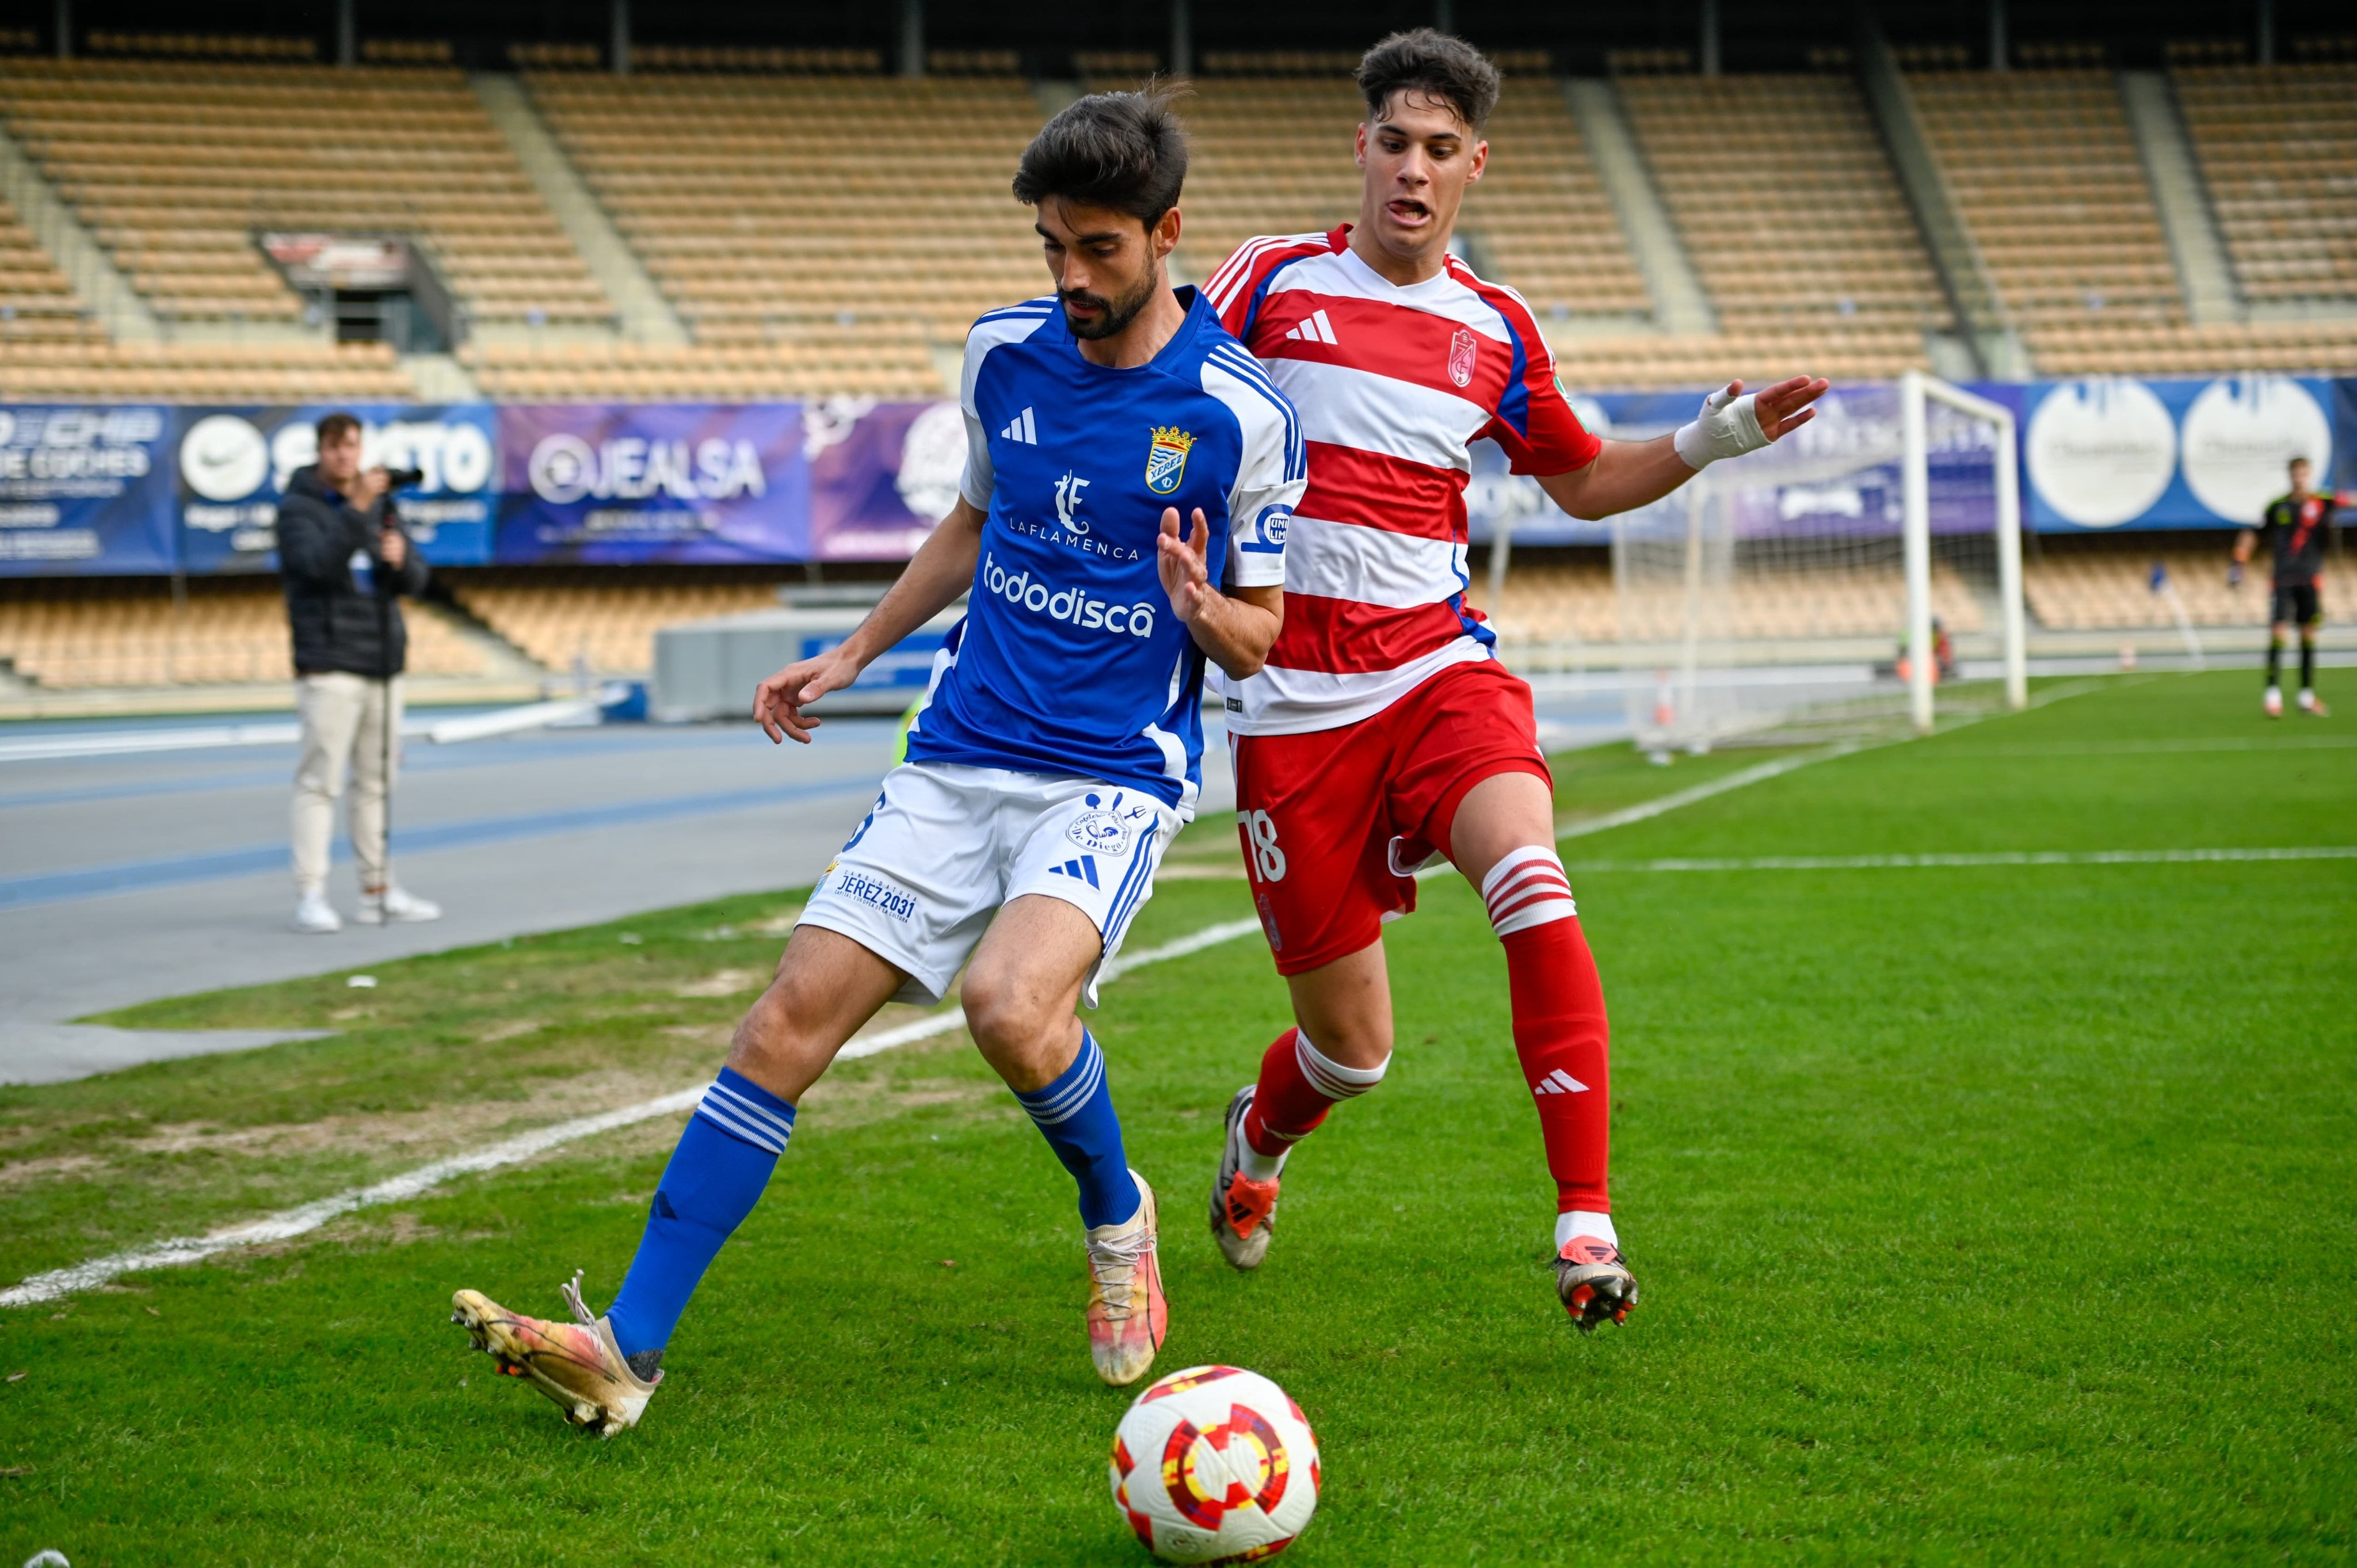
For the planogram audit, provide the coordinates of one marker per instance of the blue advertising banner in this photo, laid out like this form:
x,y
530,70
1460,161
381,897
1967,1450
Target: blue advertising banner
x,y
149,489
882,475
2121,453
1839,474
2344,427
86,490
652,482
235,463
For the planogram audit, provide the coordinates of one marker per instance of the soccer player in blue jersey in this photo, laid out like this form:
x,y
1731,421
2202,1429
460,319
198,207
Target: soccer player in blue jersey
x,y
1058,750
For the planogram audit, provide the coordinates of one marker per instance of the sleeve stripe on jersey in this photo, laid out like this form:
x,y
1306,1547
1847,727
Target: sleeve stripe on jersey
x,y
1222,282
1238,363
1026,309
1228,285
1238,268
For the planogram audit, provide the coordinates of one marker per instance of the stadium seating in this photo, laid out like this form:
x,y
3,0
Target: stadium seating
x,y
760,204
1554,602
2047,173
1542,216
175,166
118,632
1781,188
2277,147
807,358
2106,584
603,621
37,302
284,370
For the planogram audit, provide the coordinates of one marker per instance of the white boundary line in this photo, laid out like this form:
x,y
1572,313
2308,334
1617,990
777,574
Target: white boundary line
x,y
1989,857
309,1217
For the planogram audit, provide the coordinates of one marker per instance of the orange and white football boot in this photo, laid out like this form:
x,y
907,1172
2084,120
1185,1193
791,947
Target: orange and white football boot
x,y
1594,1283
1129,1317
576,1364
1244,1211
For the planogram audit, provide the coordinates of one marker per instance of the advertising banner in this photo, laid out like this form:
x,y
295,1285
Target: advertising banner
x,y
1839,474
652,482
85,490
882,475
233,465
2115,451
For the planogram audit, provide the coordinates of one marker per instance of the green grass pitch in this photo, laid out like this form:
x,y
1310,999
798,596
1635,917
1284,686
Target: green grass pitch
x,y
1984,1214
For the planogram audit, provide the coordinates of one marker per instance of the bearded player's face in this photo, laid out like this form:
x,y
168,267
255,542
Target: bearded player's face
x,y
1106,265
1417,157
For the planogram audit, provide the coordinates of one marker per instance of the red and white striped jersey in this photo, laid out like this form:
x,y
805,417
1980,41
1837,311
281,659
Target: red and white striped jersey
x,y
1392,384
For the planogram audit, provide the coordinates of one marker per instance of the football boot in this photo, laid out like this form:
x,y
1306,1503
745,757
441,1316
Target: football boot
x,y
2310,703
1594,1283
576,1364
1127,1315
1244,1211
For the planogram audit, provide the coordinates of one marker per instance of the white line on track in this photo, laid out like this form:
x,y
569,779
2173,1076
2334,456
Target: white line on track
x,y
309,1217
1969,858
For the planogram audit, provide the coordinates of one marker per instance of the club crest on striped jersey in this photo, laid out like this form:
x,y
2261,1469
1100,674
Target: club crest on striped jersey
x,y
1165,459
1461,349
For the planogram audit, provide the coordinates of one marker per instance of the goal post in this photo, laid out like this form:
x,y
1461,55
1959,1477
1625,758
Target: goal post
x,y
1916,392
1832,578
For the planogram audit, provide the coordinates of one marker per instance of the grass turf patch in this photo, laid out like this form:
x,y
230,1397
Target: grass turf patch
x,y
1992,1213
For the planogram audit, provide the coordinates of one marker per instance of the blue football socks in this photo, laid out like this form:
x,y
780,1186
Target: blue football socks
x,y
715,1178
1075,1115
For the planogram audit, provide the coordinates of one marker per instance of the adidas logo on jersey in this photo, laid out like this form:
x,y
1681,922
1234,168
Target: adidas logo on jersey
x,y
1022,429
1558,1082
1084,870
1316,329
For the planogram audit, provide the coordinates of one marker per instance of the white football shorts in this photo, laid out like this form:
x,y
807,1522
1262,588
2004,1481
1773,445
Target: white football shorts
x,y
946,844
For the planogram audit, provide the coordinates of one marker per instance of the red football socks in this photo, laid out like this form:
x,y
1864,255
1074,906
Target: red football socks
x,y
1298,1084
1560,1030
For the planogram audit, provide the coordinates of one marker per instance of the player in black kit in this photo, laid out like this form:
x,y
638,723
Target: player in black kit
x,y
2295,529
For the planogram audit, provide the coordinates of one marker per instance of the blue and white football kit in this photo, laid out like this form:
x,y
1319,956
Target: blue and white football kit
x,y
1060,744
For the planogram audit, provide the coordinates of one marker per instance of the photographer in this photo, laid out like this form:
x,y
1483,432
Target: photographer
x,y
345,560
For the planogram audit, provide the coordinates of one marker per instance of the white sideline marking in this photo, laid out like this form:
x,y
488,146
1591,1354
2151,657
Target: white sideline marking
x,y
1985,857
282,732
309,1217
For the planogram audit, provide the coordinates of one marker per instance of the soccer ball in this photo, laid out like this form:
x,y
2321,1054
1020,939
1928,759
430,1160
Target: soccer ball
x,y
1215,1464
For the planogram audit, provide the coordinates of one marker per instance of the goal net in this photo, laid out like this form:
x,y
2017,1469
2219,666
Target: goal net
x,y
1804,577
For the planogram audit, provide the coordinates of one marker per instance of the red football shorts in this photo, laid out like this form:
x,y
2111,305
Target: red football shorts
x,y
1318,812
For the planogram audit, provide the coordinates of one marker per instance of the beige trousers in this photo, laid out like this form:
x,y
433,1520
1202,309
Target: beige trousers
x,y
344,719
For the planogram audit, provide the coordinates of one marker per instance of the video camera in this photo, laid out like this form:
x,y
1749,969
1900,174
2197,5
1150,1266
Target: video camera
x,y
402,478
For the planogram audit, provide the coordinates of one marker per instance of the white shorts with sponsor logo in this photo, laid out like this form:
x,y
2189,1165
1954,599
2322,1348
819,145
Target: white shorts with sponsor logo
x,y
947,845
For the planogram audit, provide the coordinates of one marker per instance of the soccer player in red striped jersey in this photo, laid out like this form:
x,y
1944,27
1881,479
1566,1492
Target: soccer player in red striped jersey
x,y
1382,729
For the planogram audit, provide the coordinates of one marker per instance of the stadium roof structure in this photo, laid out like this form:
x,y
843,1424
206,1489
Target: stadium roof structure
x,y
1038,39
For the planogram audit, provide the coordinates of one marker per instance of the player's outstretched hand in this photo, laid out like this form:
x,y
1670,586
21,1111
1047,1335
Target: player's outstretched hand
x,y
778,702
1785,407
1185,564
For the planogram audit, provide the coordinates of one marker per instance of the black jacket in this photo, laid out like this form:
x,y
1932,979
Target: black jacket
x,y
338,625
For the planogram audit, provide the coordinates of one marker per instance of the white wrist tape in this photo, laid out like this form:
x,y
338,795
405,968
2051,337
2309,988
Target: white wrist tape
x,y
1728,427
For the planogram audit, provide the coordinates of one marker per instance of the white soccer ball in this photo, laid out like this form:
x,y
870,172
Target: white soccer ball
x,y
1215,1464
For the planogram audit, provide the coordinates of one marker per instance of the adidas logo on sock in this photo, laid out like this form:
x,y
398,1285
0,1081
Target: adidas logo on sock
x,y
1558,1082
1086,870
1316,329
1022,429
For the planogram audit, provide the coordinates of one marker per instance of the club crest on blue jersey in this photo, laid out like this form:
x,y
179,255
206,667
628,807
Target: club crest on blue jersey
x,y
1165,459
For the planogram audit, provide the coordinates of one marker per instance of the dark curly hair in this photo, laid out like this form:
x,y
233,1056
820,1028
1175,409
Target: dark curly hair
x,y
1122,150
1434,64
